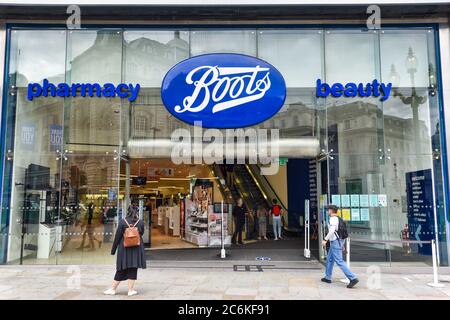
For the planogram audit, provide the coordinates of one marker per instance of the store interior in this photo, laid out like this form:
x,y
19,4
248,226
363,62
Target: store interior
x,y
180,204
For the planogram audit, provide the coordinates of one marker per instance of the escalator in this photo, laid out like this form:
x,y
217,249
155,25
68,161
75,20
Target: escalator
x,y
252,187
270,193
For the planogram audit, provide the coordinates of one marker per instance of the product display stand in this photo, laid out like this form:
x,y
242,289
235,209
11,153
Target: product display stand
x,y
196,225
174,221
46,241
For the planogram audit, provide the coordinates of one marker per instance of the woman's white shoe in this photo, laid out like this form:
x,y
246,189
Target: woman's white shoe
x,y
132,293
110,292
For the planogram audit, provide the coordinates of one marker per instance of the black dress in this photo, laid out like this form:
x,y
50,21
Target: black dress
x,y
239,221
131,258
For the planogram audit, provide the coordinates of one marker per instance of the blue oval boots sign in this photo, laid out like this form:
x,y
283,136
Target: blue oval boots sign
x,y
223,90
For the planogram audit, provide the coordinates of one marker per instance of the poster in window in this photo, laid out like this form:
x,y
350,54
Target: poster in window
x,y
355,214
364,200
354,198
336,199
56,136
373,200
346,214
345,200
420,199
365,216
28,136
382,200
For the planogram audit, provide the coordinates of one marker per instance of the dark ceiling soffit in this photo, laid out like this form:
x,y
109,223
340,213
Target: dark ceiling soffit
x,y
284,12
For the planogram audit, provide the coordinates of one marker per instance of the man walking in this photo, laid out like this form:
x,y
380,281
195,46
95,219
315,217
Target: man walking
x,y
335,248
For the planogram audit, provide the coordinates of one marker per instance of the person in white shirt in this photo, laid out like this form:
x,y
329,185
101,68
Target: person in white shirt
x,y
335,251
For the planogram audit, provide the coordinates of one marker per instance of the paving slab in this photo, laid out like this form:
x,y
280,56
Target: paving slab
x,y
193,283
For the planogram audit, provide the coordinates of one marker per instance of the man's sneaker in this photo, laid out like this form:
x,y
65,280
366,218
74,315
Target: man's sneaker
x,y
132,293
352,283
325,280
110,292
276,239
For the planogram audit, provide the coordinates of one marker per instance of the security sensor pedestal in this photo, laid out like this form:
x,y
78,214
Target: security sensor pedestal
x,y
435,283
347,244
307,251
223,254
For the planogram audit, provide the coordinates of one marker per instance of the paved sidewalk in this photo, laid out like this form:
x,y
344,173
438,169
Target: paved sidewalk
x,y
219,281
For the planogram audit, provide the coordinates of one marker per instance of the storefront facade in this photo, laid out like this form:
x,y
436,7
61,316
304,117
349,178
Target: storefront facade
x,y
382,160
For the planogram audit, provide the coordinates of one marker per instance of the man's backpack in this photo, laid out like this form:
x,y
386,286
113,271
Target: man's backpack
x,y
131,236
342,232
276,210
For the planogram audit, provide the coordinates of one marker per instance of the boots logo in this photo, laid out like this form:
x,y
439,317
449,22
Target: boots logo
x,y
223,90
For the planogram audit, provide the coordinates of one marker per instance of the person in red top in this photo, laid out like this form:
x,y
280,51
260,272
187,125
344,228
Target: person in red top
x,y
275,211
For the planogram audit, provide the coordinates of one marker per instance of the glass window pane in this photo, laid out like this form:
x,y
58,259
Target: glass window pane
x,y
89,197
39,55
34,138
148,57
93,124
297,54
94,56
223,41
350,56
150,54
403,52
89,193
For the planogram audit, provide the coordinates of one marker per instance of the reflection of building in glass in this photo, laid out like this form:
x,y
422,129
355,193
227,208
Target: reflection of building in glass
x,y
298,117
374,146
146,62
375,151
149,113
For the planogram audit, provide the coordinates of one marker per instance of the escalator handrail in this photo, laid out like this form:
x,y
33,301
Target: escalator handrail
x,y
244,199
266,184
242,180
219,174
249,216
239,188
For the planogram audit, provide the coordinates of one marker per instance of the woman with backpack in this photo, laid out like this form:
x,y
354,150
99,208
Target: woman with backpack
x,y
130,251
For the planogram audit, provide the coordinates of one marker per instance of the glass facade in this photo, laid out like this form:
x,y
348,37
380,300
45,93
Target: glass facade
x,y
68,166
